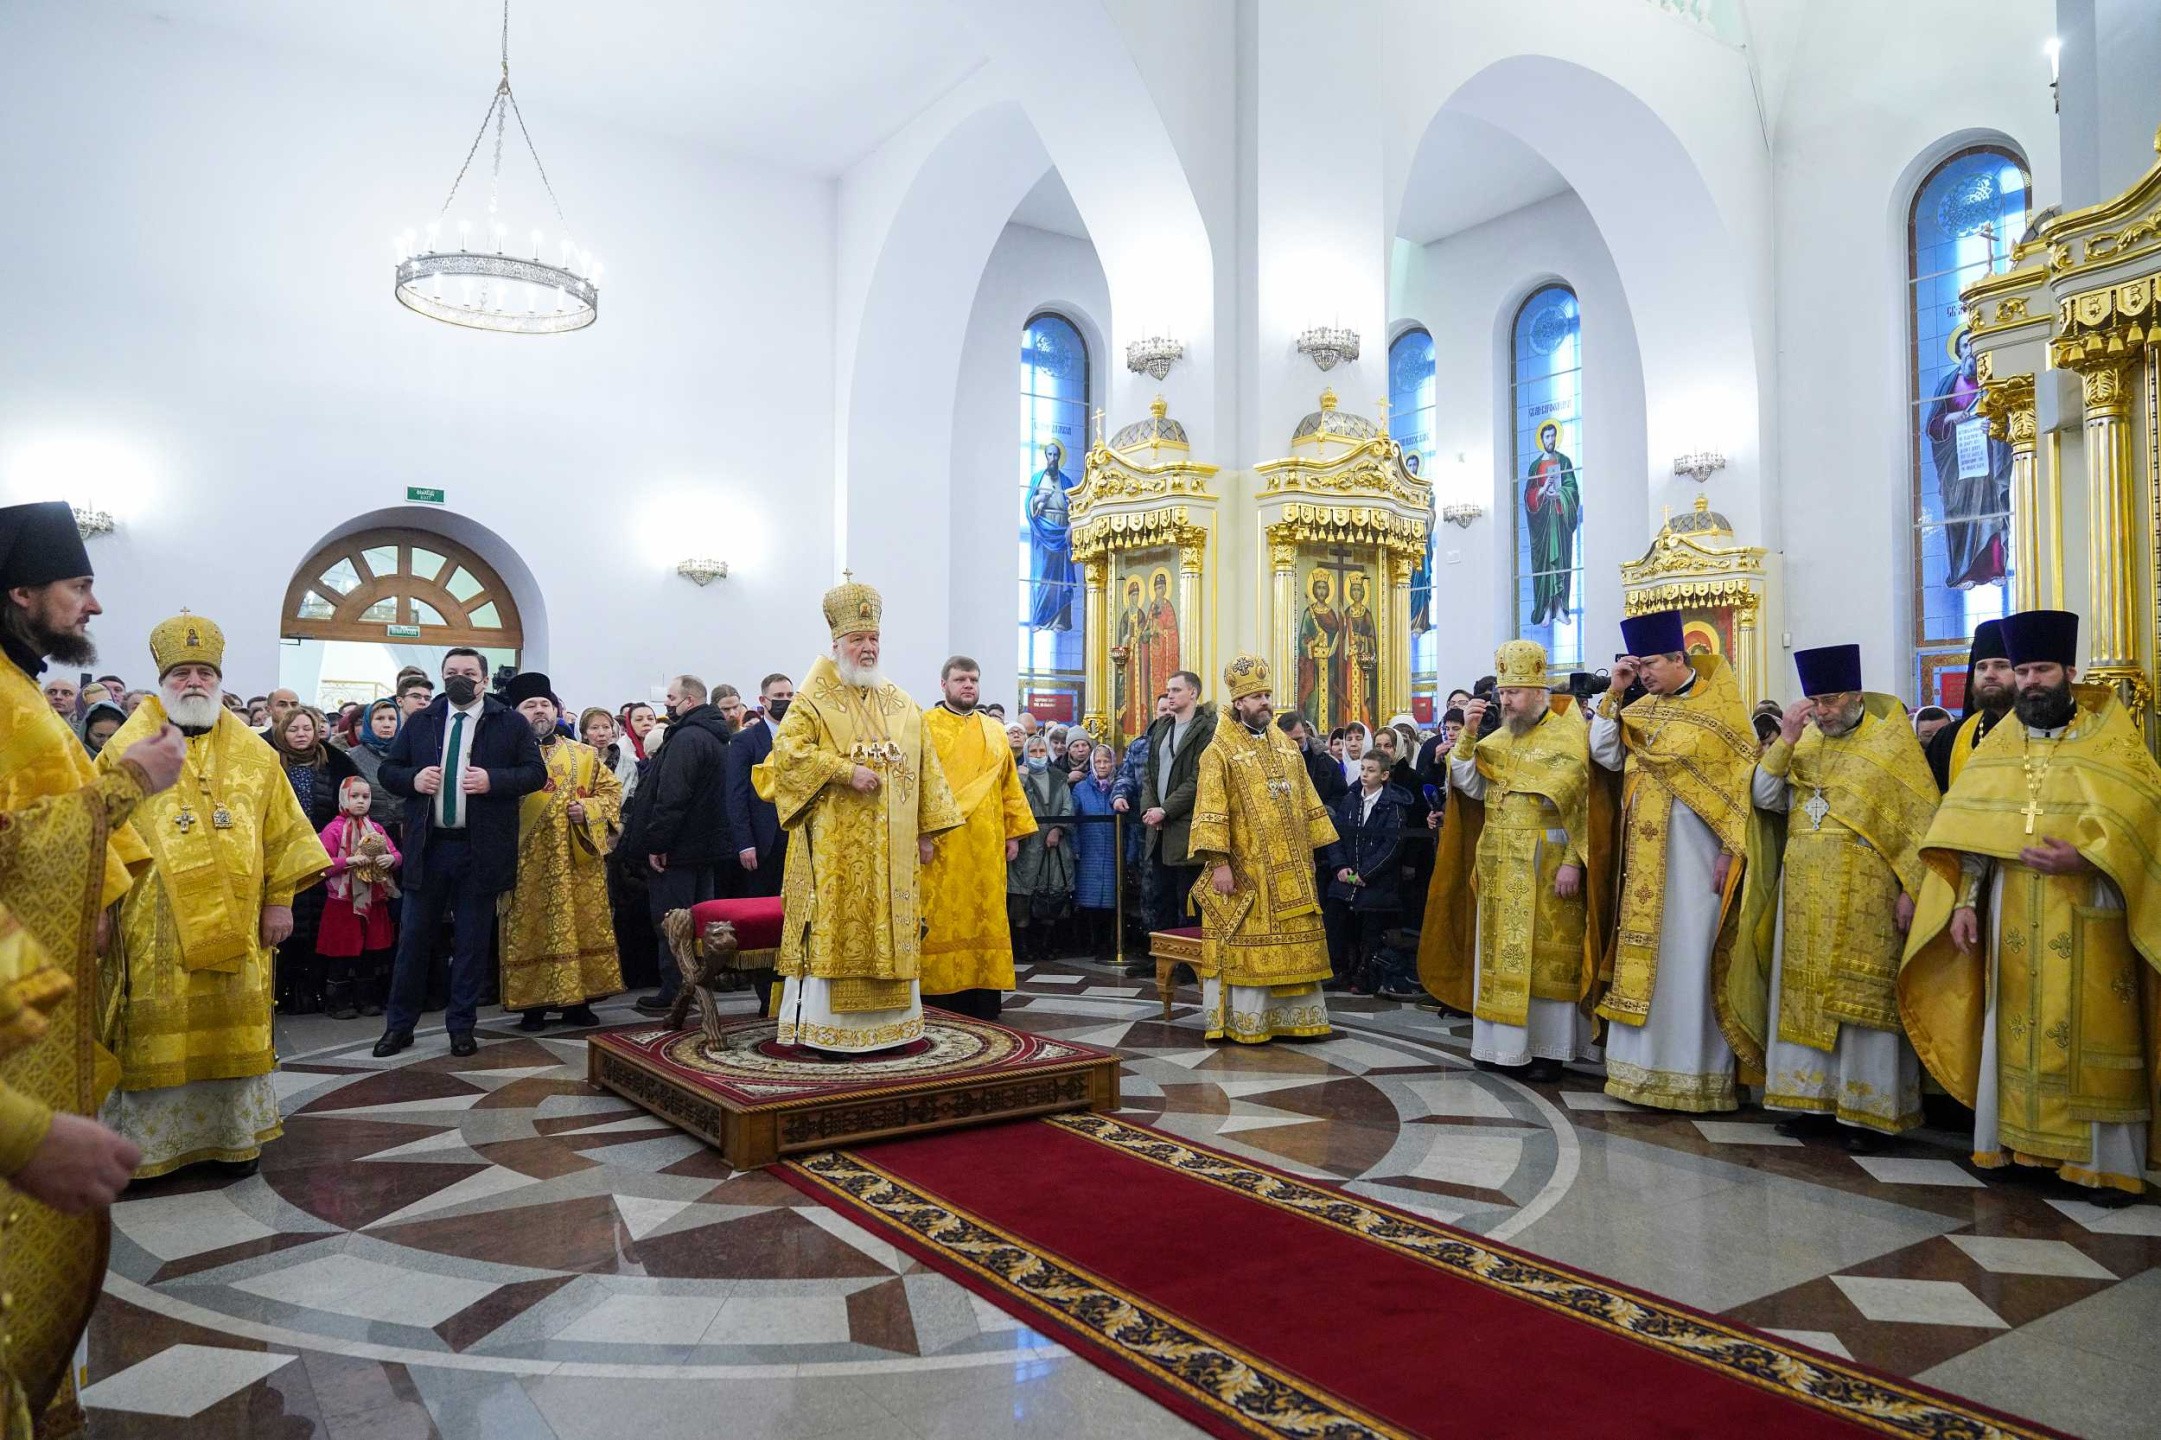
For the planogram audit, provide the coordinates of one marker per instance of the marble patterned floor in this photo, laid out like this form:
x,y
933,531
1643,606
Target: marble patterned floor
x,y
488,1247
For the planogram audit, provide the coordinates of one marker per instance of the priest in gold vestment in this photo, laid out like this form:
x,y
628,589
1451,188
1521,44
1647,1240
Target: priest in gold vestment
x,y
558,934
858,787
1256,823
65,854
1826,910
967,945
1684,751
196,940
1516,913
2029,982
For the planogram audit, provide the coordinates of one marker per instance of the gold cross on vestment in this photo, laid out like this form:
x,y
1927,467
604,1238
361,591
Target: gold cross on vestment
x,y
2032,812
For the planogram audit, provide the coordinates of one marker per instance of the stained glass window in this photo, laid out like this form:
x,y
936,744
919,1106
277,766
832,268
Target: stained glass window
x,y
1053,442
1410,424
1965,217
1546,395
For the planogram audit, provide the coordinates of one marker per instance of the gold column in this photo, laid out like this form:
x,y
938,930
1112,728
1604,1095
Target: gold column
x,y
2052,487
1094,717
2013,419
2113,547
1283,627
1189,609
1396,696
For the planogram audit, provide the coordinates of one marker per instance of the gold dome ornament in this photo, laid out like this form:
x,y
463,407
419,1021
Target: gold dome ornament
x,y
1246,675
1521,662
188,640
852,608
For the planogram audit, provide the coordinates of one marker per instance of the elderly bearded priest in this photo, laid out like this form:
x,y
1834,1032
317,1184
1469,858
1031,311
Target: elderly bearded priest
x,y
232,847
859,790
1256,822
2028,984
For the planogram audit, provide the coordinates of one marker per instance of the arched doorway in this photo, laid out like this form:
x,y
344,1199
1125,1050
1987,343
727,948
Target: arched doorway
x,y
369,603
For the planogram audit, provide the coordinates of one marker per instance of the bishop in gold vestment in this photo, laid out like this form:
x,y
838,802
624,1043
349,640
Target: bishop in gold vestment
x,y
1256,823
859,789
1684,752
967,946
1825,914
65,854
1516,916
2029,982
195,942
558,933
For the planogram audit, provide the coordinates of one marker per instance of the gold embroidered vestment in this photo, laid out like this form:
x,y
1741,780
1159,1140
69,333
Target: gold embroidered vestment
x,y
558,937
1255,809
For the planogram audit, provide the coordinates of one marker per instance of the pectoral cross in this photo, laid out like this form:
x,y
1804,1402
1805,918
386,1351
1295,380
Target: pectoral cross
x,y
1816,808
185,821
2032,812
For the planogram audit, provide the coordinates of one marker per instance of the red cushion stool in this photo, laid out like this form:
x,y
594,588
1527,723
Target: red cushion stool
x,y
700,938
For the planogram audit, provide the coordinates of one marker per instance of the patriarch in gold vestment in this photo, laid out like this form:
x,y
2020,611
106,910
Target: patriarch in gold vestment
x,y
1685,752
967,945
1256,823
66,853
2029,984
558,933
196,940
1847,797
857,785
1518,912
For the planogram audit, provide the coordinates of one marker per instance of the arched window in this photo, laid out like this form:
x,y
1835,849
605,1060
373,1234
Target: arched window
x,y
1546,393
1410,425
1964,219
1053,441
401,585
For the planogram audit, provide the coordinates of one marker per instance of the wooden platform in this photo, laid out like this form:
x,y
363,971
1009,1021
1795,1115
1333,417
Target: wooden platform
x,y
755,1100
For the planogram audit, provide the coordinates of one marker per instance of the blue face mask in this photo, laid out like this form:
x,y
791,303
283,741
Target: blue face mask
x,y
1039,762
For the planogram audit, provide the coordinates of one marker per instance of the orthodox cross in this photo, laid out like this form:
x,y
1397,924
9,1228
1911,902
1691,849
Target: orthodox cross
x,y
185,821
2032,812
1339,565
1816,808
1099,424
1383,404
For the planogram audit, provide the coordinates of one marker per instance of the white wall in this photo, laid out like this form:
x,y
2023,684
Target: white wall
x,y
1029,270
202,335
1465,290
1877,95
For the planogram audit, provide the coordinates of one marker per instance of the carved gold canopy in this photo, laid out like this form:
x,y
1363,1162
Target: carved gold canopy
x,y
1696,566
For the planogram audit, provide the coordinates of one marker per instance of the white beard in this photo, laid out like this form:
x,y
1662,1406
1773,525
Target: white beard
x,y
192,712
866,677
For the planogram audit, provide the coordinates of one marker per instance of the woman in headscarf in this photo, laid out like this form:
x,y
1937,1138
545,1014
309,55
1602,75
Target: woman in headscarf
x,y
372,743
597,728
99,722
1357,740
316,770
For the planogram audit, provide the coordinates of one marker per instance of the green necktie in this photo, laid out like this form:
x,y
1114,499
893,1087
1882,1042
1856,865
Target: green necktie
x,y
450,771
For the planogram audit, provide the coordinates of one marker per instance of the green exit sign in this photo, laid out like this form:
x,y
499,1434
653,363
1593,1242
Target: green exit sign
x,y
402,632
421,495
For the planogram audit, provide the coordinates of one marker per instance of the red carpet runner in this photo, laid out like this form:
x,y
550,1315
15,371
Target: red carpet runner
x,y
1255,1303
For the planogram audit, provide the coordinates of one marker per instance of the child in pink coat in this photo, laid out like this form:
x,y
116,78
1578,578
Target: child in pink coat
x,y
358,934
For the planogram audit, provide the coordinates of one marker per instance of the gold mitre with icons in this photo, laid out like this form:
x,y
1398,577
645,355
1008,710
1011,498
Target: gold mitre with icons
x,y
1521,662
1246,675
852,608
187,640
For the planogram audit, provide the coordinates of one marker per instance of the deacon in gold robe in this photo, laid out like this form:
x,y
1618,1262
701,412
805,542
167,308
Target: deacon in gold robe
x,y
1516,913
1684,751
558,933
1827,909
2029,982
1990,689
967,946
65,854
858,787
1256,823
197,939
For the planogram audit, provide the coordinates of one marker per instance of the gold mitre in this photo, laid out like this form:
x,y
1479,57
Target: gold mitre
x,y
187,640
1521,662
851,608
1247,675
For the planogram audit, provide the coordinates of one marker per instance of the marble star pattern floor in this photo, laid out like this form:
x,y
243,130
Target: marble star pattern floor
x,y
487,1247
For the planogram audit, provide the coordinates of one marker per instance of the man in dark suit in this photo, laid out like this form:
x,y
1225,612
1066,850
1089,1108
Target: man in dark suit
x,y
682,820
755,823
462,765
1168,784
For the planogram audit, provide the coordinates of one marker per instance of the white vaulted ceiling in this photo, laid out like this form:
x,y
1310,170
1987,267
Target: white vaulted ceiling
x,y
810,85
1468,172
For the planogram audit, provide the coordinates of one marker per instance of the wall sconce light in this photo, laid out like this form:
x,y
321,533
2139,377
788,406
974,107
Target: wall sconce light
x,y
1462,515
704,572
89,521
1325,345
1699,465
1154,356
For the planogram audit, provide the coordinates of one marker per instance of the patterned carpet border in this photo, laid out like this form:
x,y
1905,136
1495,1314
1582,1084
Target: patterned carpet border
x,y
1191,1365
1261,1398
